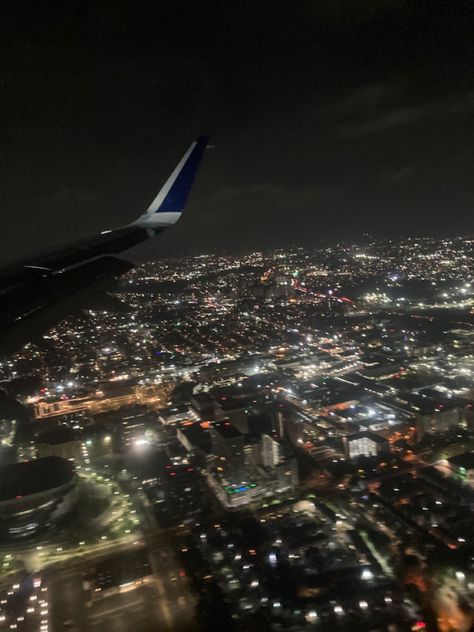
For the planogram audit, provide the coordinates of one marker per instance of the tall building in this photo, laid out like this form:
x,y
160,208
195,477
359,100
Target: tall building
x,y
228,450
203,404
133,427
182,488
364,444
272,452
438,421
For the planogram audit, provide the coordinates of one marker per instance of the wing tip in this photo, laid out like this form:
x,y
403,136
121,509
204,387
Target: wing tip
x,y
168,205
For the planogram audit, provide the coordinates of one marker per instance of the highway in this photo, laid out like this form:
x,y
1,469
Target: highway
x,y
165,603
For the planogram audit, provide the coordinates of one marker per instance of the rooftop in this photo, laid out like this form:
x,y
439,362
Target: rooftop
x,y
33,477
226,429
465,460
198,435
366,434
57,436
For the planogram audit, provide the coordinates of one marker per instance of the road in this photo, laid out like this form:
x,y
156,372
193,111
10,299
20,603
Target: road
x,y
450,617
165,603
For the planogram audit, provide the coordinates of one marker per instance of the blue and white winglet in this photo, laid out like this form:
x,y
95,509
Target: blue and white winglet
x,y
168,205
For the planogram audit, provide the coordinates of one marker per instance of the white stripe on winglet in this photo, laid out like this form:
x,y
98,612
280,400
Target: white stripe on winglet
x,y
155,205
157,220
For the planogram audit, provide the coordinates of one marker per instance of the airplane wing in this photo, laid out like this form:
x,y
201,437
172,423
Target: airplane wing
x,y
37,293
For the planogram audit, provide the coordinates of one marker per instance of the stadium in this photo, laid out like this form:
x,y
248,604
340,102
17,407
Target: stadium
x,y
35,496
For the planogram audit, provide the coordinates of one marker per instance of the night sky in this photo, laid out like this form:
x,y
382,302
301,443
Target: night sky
x,y
330,118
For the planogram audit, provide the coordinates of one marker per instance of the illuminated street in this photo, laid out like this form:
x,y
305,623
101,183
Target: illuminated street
x,y
166,602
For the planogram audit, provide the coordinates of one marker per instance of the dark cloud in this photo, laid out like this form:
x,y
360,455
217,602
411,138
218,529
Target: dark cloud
x,y
400,174
403,116
369,97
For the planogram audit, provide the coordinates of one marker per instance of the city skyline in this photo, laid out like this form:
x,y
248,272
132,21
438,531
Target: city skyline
x,y
279,438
